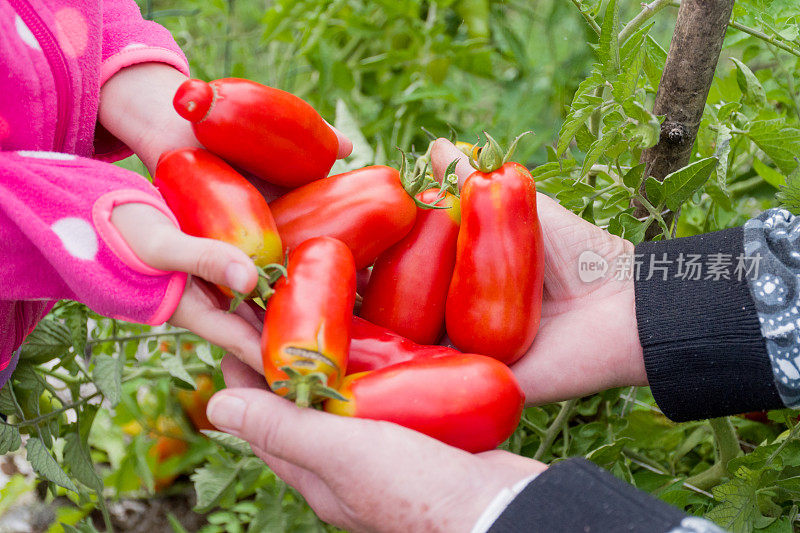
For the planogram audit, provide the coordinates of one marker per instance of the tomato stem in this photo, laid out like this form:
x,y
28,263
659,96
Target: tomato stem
x,y
491,156
306,389
431,136
303,393
416,181
268,275
263,289
238,298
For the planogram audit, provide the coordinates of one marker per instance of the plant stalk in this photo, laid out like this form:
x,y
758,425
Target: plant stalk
x,y
648,11
589,20
556,427
727,444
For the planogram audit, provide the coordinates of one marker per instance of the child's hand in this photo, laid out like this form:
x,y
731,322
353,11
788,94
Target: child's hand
x,y
159,244
136,107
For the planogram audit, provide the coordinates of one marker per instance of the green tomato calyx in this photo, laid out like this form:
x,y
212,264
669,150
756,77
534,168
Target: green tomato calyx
x,y
492,157
306,389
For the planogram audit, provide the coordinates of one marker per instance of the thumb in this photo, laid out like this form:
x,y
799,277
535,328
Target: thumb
x,y
442,154
276,426
158,243
345,144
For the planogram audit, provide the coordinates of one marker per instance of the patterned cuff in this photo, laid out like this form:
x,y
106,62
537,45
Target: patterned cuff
x,y
774,238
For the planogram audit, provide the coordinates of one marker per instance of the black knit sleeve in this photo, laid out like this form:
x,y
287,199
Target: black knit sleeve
x,y
578,496
699,329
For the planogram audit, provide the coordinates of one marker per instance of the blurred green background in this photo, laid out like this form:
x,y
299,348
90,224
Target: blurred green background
x,y
388,68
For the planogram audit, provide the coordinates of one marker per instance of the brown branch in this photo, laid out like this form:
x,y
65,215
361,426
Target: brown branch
x,y
683,90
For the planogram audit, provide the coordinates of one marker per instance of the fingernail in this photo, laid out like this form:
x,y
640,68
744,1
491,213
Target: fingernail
x,y
236,274
226,412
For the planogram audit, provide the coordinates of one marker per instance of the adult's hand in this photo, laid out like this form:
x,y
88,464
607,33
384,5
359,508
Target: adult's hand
x,y
363,475
587,339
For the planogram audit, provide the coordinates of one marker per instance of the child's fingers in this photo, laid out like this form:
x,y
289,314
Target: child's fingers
x,y
158,243
198,313
214,261
240,375
252,313
345,145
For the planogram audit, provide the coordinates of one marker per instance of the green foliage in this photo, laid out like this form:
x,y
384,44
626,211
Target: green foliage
x,y
789,194
381,70
398,66
45,465
680,185
49,340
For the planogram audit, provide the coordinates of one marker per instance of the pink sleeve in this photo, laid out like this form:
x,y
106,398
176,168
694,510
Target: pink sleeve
x,y
128,40
57,241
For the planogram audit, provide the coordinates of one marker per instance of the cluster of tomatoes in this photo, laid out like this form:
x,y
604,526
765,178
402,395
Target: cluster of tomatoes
x,y
471,267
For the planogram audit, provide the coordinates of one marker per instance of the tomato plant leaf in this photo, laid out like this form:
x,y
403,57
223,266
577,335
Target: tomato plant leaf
x,y
779,141
86,416
174,365
584,138
751,88
26,378
584,103
175,524
84,526
633,177
107,376
722,198
10,440
654,191
722,154
608,48
739,503
789,194
619,195
575,195
270,516
45,465
229,442
633,229
632,55
599,148
680,185
203,352
654,60
648,127
76,457
608,454
551,169
212,482
7,405
769,174
50,339
77,322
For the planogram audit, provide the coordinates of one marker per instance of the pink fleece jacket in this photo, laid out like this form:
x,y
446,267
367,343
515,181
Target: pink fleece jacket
x,y
57,188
